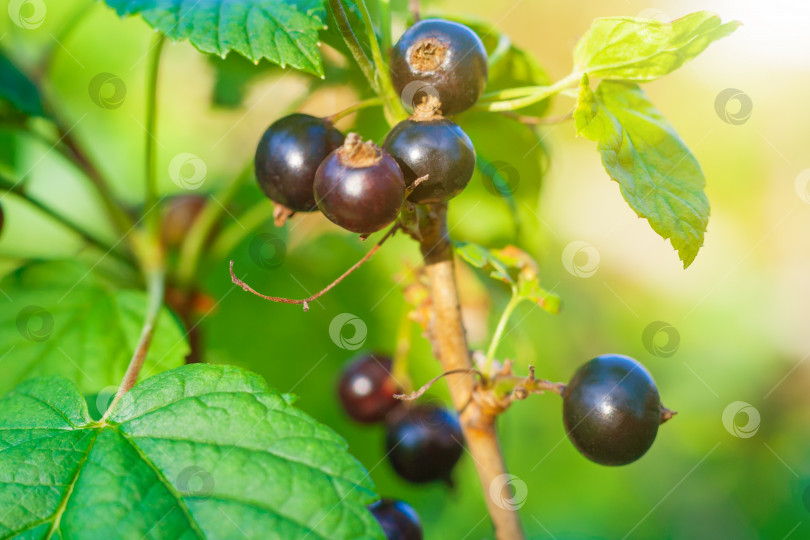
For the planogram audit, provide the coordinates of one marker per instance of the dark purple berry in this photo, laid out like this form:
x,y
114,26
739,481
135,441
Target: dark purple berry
x,y
440,58
424,444
611,410
359,186
398,520
434,147
367,389
288,155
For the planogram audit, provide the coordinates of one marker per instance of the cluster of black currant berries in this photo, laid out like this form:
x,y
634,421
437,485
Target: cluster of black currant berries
x,y
304,163
423,442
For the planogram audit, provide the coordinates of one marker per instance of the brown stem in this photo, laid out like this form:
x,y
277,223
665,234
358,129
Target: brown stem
x,y
450,341
305,301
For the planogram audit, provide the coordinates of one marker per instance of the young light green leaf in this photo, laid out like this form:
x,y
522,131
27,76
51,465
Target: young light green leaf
x,y
18,90
284,32
513,266
64,319
632,49
202,451
659,177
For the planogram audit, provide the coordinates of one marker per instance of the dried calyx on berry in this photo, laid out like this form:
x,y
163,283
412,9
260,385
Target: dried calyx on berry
x,y
429,145
359,186
443,58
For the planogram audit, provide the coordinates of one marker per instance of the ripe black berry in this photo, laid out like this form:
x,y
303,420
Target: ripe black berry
x,y
611,410
398,520
442,58
424,444
359,186
436,147
366,388
288,155
180,214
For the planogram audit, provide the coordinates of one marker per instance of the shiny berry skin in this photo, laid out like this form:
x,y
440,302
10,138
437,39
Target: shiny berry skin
x,y
181,212
611,410
359,186
366,388
442,58
424,444
398,520
436,147
288,155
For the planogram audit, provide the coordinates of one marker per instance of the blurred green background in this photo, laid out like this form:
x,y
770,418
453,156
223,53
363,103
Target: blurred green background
x,y
740,314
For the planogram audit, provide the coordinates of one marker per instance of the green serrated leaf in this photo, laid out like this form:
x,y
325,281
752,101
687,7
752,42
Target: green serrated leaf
x,y
284,32
63,319
18,90
632,49
201,451
659,177
514,266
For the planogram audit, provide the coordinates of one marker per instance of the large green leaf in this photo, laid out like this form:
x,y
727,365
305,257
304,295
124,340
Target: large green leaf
x,y
284,32
632,49
201,451
658,175
18,90
60,318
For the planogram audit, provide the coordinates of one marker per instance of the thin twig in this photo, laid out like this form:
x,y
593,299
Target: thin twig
x,y
427,385
305,301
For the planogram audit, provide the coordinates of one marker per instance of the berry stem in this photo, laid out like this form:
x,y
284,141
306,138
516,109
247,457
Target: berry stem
x,y
450,343
498,334
305,301
517,98
352,43
394,111
370,102
156,287
385,24
538,120
153,218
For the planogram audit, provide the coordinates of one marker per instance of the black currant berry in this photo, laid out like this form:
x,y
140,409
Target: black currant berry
x,y
424,444
288,155
181,211
366,388
611,410
440,58
398,520
435,147
359,186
